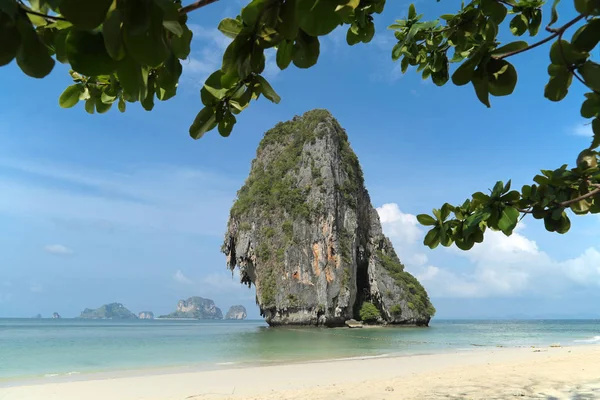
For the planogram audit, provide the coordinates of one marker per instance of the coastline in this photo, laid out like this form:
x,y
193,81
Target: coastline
x,y
480,373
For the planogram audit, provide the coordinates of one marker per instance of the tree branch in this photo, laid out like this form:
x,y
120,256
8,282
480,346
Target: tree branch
x,y
196,5
39,14
555,33
567,203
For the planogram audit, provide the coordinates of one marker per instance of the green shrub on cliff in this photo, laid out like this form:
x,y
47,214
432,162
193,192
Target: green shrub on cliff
x,y
415,292
369,313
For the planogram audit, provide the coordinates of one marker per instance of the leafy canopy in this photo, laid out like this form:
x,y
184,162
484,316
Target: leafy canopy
x,y
125,51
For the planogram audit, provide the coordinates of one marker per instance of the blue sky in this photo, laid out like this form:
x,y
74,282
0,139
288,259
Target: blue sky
x,y
127,208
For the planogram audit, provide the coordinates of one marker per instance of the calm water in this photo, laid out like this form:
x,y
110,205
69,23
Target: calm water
x,y
47,348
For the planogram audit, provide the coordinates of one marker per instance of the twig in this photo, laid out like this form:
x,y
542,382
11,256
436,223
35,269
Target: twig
x,y
555,33
42,15
196,5
567,203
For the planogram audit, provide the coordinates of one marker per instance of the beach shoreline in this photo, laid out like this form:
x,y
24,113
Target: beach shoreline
x,y
481,373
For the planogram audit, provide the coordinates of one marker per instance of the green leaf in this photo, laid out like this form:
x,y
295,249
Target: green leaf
x,y
204,122
554,14
480,84
509,48
412,12
464,73
494,10
432,238
563,53
285,53
70,97
87,53
590,107
558,86
32,56
181,44
147,47
596,130
90,105
502,77
306,50
85,15
587,37
587,7
112,36
426,220
230,27
10,39
508,220
226,124
101,107
590,72
518,25
267,90
317,17
133,78
288,25
122,105
252,12
534,24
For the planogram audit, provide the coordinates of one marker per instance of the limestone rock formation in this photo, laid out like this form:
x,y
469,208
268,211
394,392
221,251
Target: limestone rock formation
x,y
56,316
197,308
146,315
236,312
304,232
108,311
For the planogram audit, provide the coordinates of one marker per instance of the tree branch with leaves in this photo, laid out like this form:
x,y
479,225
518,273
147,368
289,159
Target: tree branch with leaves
x,y
127,51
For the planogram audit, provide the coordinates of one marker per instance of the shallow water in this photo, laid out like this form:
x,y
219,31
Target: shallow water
x,y
48,348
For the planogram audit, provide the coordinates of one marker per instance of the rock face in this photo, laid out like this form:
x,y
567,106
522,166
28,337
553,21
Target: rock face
x,y
108,311
236,312
197,308
304,232
146,315
56,316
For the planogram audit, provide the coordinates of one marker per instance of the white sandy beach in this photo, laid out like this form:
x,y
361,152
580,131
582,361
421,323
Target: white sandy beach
x,y
547,373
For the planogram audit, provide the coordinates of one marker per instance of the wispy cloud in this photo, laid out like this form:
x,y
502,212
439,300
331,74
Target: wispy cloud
x,y
159,198
582,130
180,277
58,249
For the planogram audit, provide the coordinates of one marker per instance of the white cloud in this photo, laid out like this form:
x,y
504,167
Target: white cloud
x,y
223,281
152,198
398,225
179,277
500,266
58,249
583,130
36,288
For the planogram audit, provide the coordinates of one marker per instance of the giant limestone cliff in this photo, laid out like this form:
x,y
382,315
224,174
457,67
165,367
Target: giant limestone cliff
x,y
304,232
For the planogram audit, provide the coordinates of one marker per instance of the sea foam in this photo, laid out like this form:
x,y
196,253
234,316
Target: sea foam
x,y
594,339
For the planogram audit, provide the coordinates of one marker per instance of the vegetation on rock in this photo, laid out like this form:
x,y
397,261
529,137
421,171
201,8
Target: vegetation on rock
x,y
108,311
416,294
369,312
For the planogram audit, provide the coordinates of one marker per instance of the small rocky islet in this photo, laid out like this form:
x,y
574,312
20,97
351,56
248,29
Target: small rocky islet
x,y
303,231
192,308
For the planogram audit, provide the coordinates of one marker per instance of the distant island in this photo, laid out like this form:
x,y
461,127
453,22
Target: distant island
x,y
108,311
195,308
146,315
236,312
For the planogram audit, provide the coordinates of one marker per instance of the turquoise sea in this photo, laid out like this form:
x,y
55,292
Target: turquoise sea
x,y
39,348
